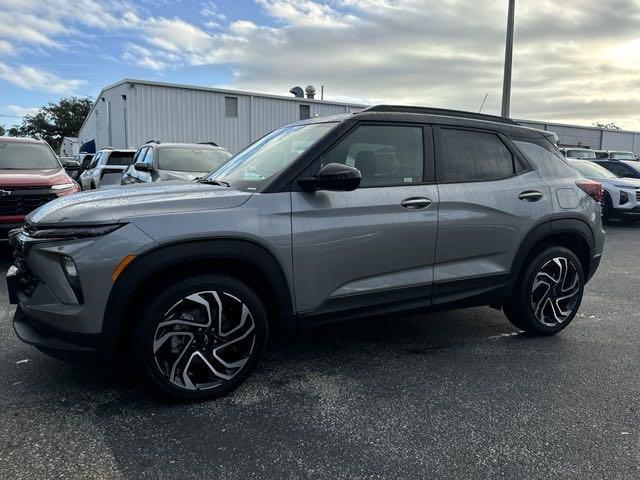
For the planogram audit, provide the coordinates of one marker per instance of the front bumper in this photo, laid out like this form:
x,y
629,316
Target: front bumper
x,y
45,338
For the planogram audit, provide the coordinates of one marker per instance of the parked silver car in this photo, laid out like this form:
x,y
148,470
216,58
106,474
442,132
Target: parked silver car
x,y
386,210
106,168
156,162
621,195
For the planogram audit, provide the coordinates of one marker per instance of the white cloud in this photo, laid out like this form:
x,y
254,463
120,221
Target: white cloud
x,y
32,78
19,111
6,48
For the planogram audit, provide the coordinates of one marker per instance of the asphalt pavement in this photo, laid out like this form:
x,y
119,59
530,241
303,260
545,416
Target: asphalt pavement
x,y
457,395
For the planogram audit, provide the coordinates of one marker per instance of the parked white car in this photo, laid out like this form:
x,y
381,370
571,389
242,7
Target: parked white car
x,y
621,196
106,168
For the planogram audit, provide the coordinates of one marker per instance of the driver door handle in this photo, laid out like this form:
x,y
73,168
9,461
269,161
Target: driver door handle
x,y
415,203
530,196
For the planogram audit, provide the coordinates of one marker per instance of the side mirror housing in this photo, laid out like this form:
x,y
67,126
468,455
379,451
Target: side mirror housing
x,y
71,165
142,167
333,176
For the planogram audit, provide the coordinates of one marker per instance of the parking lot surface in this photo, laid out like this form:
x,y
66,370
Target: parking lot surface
x,y
448,395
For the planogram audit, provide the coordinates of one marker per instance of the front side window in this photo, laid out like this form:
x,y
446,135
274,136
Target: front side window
x,y
385,155
95,160
468,156
27,156
617,168
148,158
191,159
261,161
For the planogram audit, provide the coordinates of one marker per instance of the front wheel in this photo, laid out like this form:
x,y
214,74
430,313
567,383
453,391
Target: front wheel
x,y
549,293
201,337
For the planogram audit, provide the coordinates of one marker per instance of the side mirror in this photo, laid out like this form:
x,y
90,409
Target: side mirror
x,y
333,176
71,165
142,167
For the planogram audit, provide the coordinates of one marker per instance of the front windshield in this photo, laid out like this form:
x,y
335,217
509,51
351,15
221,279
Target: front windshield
x,y
582,154
622,155
27,156
591,170
253,167
189,159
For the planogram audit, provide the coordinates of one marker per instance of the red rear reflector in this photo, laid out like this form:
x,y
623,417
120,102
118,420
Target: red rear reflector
x,y
591,188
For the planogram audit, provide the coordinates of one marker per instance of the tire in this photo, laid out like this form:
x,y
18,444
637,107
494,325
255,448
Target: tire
x,y
544,301
607,208
183,350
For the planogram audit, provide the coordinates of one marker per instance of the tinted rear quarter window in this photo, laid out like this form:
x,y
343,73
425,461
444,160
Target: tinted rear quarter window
x,y
120,158
467,156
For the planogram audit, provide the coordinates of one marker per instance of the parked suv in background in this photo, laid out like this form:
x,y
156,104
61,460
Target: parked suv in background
x,y
621,196
155,162
30,176
387,210
621,168
622,155
579,153
106,168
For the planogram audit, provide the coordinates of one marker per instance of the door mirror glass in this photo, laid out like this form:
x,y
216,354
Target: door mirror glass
x,y
333,176
71,165
142,167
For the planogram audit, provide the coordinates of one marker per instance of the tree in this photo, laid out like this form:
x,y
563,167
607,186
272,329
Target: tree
x,y
55,121
608,126
2,131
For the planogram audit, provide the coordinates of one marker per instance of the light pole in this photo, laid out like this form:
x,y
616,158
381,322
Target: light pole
x,y
508,61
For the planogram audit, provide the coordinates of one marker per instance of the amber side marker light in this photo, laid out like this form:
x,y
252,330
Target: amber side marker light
x,y
121,266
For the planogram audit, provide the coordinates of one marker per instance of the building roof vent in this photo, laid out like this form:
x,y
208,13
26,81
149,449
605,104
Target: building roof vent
x,y
297,91
310,91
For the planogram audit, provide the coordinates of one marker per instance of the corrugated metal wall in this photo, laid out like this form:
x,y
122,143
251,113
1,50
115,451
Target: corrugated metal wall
x,y
174,114
590,137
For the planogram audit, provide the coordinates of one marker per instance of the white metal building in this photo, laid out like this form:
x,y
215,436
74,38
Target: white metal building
x,y
70,146
131,112
590,137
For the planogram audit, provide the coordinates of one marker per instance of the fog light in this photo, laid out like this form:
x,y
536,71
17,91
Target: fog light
x,y
69,267
624,198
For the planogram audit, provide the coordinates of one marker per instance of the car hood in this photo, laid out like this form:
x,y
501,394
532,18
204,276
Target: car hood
x,y
35,178
119,204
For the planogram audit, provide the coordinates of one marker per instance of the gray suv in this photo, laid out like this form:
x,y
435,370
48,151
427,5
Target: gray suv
x,y
387,210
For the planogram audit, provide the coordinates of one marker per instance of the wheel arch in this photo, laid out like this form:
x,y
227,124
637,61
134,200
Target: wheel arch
x,y
572,233
251,262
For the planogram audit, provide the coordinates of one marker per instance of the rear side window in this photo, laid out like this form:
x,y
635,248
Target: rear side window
x,y
467,156
120,158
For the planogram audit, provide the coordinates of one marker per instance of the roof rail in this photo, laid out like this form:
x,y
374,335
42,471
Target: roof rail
x,y
213,144
152,141
438,111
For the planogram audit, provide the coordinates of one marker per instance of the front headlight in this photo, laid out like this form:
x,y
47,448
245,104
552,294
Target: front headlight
x,y
62,186
71,232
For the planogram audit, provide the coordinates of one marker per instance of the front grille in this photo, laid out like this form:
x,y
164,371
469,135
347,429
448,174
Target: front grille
x,y
23,200
638,195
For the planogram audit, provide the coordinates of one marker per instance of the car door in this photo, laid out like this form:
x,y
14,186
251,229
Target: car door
x,y
490,199
374,245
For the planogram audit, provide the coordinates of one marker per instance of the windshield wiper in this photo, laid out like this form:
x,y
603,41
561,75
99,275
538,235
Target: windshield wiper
x,y
212,181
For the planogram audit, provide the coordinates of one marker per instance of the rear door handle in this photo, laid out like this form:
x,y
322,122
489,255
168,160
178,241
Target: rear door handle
x,y
415,203
530,196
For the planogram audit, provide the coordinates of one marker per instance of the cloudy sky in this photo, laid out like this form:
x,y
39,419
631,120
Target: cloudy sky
x,y
575,61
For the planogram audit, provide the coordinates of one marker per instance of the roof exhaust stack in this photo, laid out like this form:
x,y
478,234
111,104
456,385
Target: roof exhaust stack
x,y
297,92
310,91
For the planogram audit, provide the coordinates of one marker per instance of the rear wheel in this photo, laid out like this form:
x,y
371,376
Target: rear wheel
x,y
201,337
548,294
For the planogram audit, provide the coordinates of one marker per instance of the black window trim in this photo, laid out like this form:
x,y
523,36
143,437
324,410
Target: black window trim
x,y
517,156
428,153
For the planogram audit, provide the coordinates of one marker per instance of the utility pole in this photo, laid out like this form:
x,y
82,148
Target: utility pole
x,y
508,61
